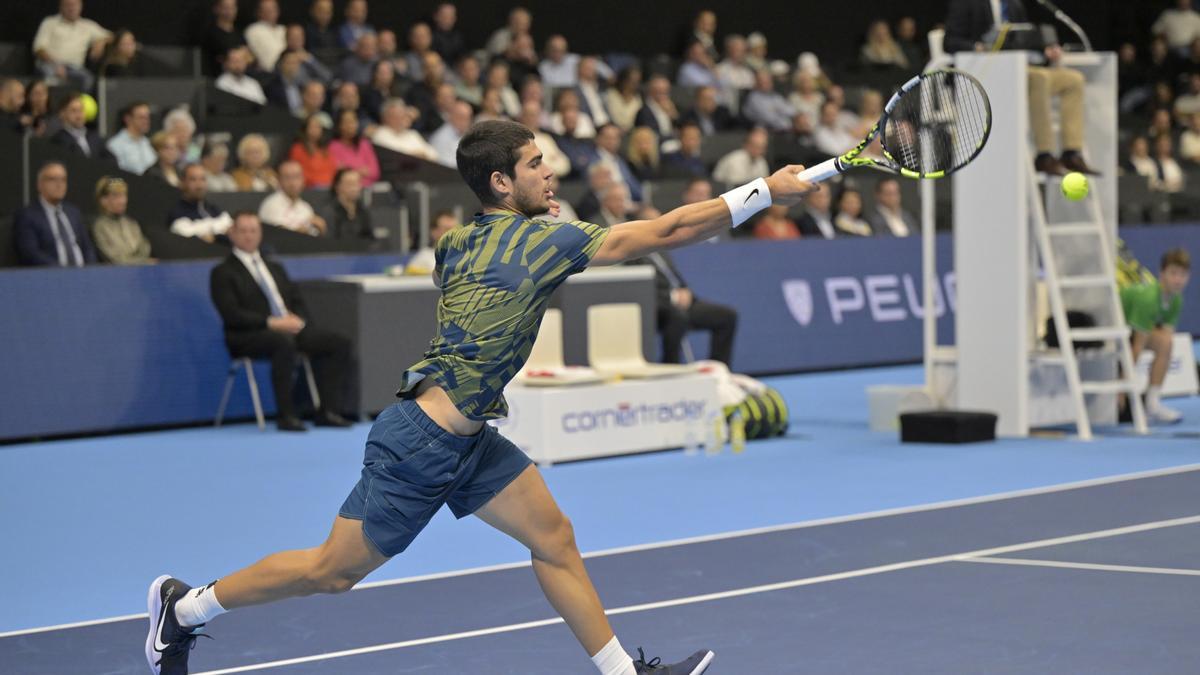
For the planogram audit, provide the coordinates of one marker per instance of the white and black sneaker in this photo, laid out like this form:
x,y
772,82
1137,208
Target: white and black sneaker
x,y
693,665
168,644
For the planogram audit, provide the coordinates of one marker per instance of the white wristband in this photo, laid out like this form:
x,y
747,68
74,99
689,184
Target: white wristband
x,y
747,200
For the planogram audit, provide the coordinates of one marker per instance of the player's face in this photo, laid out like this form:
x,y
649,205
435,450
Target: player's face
x,y
531,185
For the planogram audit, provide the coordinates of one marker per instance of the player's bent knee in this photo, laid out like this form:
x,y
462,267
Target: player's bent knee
x,y
557,542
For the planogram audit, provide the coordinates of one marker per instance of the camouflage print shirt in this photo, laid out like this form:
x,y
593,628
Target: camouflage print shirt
x,y
497,274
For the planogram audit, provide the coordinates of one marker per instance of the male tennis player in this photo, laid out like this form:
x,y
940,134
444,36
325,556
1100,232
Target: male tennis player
x,y
434,447
1152,311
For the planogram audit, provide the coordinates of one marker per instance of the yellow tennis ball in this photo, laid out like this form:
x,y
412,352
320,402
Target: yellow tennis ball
x,y
1074,186
89,107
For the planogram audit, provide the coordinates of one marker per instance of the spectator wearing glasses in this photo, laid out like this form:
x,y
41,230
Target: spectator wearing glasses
x,y
50,232
130,146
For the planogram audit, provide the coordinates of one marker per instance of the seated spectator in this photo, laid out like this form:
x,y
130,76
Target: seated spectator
x,y
697,68
756,46
1168,176
12,99
708,114
254,172
312,104
912,44
1161,123
355,25
286,208
396,133
448,41
350,149
831,137
286,87
805,96
880,49
552,156
642,154
766,107
774,223
214,160
890,218
311,67
382,87
615,206
221,36
588,87
166,158
420,45
519,23
118,237
497,78
265,317
66,42
817,219
466,85
847,216
704,31
266,38
799,146
122,57
608,152
36,111
1189,141
347,217
733,73
431,96
193,216
1188,103
847,118
490,107
1139,160
311,151
425,259
1179,26
686,162
74,134
599,178
234,79
658,111
624,100
132,149
445,139
319,32
50,231
522,58
747,162
559,68
358,65
180,124
565,100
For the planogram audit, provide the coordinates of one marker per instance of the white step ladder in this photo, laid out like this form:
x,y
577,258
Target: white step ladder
x,y
1096,233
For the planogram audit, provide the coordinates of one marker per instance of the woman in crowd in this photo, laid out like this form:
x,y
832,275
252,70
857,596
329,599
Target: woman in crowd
x,y
848,213
254,172
213,159
881,49
383,86
396,132
311,150
642,154
806,97
37,106
625,99
119,237
180,124
497,78
350,150
122,57
348,218
166,148
774,223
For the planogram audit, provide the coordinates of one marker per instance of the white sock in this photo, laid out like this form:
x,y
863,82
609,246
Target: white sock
x,y
613,660
1153,396
198,606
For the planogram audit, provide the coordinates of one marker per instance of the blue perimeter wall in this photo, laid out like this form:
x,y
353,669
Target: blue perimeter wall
x,y
108,348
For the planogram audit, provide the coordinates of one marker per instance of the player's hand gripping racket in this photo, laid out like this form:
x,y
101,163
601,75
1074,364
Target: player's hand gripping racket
x,y
935,125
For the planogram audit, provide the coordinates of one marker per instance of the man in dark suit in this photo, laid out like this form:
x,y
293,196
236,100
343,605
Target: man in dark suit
x,y
816,218
74,134
967,23
889,219
708,114
50,231
265,316
284,87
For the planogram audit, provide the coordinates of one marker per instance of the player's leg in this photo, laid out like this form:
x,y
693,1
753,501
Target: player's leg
x,y
1159,342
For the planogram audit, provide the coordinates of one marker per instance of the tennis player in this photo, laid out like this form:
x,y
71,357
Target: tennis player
x,y
434,447
1152,312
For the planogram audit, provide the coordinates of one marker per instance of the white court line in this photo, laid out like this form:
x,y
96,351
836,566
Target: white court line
x,y
722,595
735,534
1085,566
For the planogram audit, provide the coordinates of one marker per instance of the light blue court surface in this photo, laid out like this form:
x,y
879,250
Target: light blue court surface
x,y
88,523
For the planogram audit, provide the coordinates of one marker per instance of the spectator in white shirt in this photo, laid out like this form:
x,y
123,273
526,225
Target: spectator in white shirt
x,y
624,100
831,138
560,67
130,145
65,42
497,78
1189,142
285,208
806,97
552,156
658,111
266,38
445,139
235,80
767,107
589,87
733,72
1179,26
1168,176
1140,160
396,132
565,100
1188,104
747,162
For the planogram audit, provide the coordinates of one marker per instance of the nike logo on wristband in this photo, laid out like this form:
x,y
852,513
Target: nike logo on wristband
x,y
750,196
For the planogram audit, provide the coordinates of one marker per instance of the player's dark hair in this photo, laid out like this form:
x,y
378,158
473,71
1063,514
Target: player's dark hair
x,y
1178,257
487,147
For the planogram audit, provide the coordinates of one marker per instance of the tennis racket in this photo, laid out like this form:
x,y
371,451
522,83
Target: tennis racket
x,y
936,124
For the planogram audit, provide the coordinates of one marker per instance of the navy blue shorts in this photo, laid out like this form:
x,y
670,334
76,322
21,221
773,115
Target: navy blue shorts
x,y
412,466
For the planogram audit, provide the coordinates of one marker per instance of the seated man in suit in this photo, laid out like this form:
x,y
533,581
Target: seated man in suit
x,y
264,316
889,219
708,114
50,231
74,134
816,218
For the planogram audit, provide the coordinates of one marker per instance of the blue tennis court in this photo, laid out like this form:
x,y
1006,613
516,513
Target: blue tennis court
x,y
834,550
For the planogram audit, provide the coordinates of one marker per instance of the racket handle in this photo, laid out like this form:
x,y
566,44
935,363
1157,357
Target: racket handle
x,y
821,172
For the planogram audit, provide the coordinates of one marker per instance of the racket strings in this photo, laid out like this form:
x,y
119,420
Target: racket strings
x,y
938,125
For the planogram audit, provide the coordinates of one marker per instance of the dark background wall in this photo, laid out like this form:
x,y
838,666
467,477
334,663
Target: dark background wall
x,y
832,30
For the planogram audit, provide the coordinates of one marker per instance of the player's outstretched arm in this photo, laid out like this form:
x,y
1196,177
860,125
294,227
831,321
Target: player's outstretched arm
x,y
702,220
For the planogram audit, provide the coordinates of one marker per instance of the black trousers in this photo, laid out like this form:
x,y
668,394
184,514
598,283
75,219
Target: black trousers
x,y
674,323
329,352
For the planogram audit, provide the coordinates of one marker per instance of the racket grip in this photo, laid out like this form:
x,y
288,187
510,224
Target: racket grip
x,y
821,172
